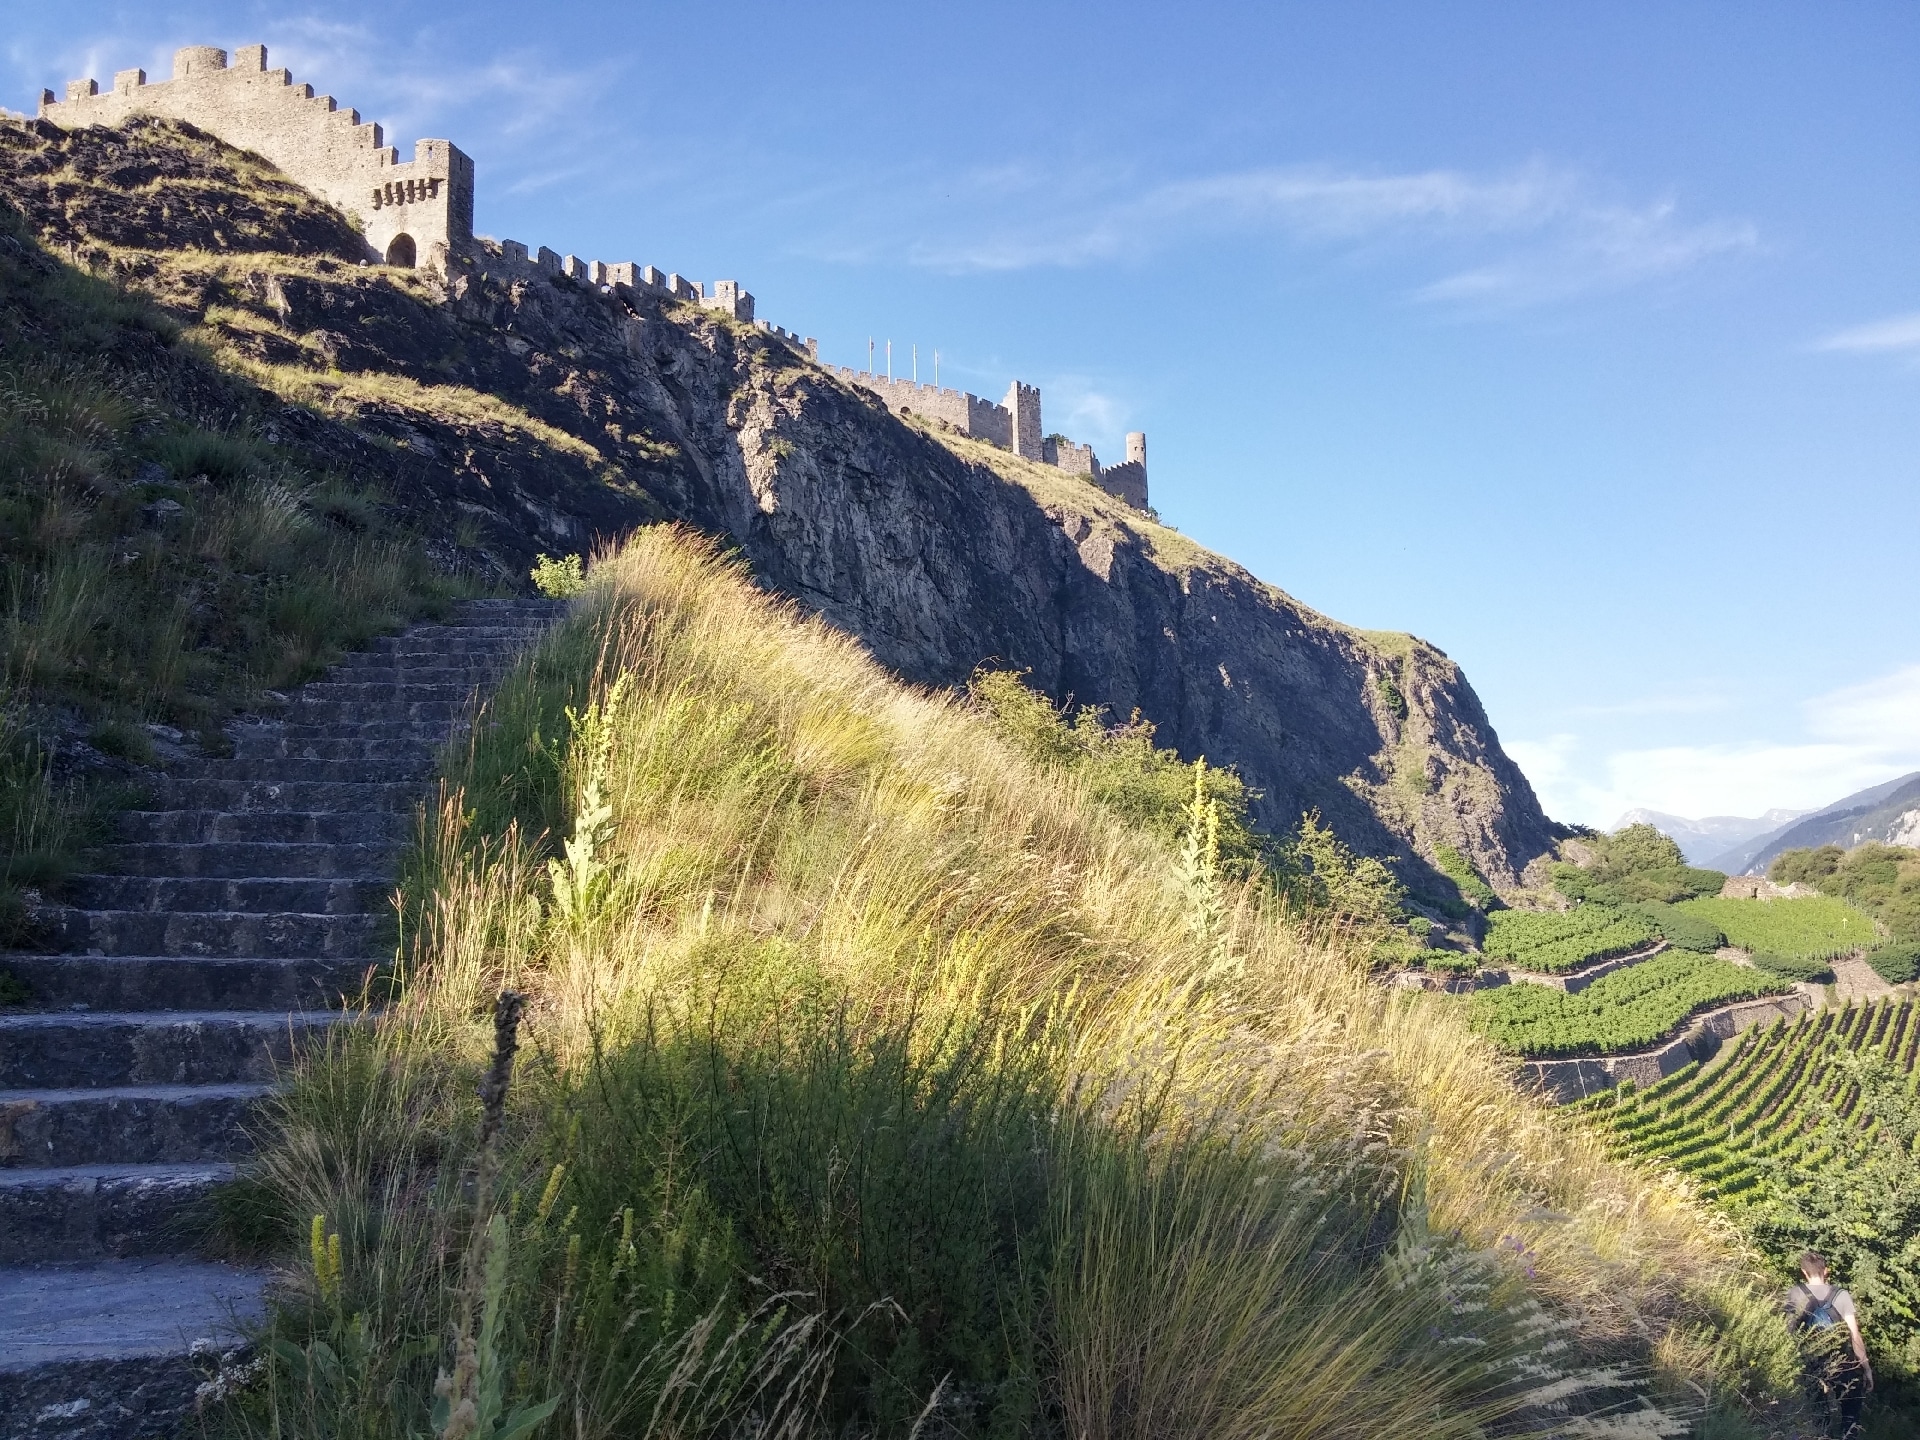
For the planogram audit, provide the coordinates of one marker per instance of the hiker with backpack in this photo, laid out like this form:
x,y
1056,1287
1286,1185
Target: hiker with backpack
x,y
1837,1359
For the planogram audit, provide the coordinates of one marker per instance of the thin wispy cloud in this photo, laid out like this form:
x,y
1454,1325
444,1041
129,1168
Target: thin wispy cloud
x,y
1851,738
1896,334
1536,234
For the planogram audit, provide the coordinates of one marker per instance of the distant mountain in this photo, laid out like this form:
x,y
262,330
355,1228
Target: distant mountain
x,y
1889,813
1701,840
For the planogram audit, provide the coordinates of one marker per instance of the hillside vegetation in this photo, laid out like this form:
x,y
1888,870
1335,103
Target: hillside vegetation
x,y
1881,880
878,1077
167,560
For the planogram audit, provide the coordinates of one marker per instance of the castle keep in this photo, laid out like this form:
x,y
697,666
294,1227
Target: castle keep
x,y
419,212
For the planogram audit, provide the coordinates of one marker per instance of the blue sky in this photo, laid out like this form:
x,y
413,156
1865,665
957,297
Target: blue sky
x,y
1582,340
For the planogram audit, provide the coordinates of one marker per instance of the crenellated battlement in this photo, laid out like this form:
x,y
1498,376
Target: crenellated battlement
x,y
411,211
420,211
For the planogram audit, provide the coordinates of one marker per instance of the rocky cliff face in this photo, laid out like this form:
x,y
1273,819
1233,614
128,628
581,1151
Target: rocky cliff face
x,y
517,414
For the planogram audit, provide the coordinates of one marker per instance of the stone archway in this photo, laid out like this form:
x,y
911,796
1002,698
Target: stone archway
x,y
400,251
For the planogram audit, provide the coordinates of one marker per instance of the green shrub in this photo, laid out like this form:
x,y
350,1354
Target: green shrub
x,y
1805,867
224,458
1637,864
1896,963
559,579
1390,696
1683,931
1146,785
1793,967
122,739
1554,942
1457,868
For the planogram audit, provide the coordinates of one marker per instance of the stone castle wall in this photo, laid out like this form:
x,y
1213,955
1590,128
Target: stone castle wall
x,y
411,211
420,211
1012,425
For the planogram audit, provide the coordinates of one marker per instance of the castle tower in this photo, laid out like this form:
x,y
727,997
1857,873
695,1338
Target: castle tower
x,y
412,212
1137,449
1023,404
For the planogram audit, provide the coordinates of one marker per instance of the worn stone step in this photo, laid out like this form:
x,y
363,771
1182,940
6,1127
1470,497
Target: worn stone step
x,y
458,642
338,712
97,1212
430,733
383,694
373,664
66,1050
104,1350
288,826
126,1124
267,742
219,932
297,769
234,795
259,894
243,860
181,982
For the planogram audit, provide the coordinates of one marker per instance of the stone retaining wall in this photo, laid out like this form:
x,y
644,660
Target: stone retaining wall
x,y
1564,1080
1580,979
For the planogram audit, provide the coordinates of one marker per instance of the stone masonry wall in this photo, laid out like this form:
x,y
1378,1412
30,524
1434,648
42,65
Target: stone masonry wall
x,y
411,211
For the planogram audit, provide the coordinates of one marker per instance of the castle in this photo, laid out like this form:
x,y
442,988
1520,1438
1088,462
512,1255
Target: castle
x,y
419,213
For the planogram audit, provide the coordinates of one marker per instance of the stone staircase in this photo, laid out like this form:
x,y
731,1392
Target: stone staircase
x,y
226,926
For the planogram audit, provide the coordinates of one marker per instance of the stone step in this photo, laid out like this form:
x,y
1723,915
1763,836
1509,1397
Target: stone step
x,y
235,795
298,769
82,983
430,733
98,1212
349,712
71,1050
284,826
458,643
380,694
268,742
126,1124
365,894
373,665
242,860
103,1350
219,932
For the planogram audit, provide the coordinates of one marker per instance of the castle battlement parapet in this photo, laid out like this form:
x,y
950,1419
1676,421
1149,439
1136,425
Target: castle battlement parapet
x,y
1012,425
411,211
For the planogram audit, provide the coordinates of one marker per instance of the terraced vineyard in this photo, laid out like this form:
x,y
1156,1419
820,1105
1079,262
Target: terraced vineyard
x,y
1627,1010
1555,942
1812,927
1720,1124
1805,1135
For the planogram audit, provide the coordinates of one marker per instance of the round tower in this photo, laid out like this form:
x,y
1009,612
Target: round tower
x,y
1137,448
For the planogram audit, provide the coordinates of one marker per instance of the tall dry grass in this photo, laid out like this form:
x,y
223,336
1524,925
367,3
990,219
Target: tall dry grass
x,y
879,1082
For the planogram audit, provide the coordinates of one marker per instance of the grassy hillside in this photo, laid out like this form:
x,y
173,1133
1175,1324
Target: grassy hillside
x,y
168,556
876,1077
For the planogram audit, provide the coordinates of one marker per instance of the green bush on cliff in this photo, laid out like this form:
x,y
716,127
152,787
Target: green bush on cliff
x,y
1639,863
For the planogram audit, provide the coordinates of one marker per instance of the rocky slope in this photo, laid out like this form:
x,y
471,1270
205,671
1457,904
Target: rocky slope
x,y
517,414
